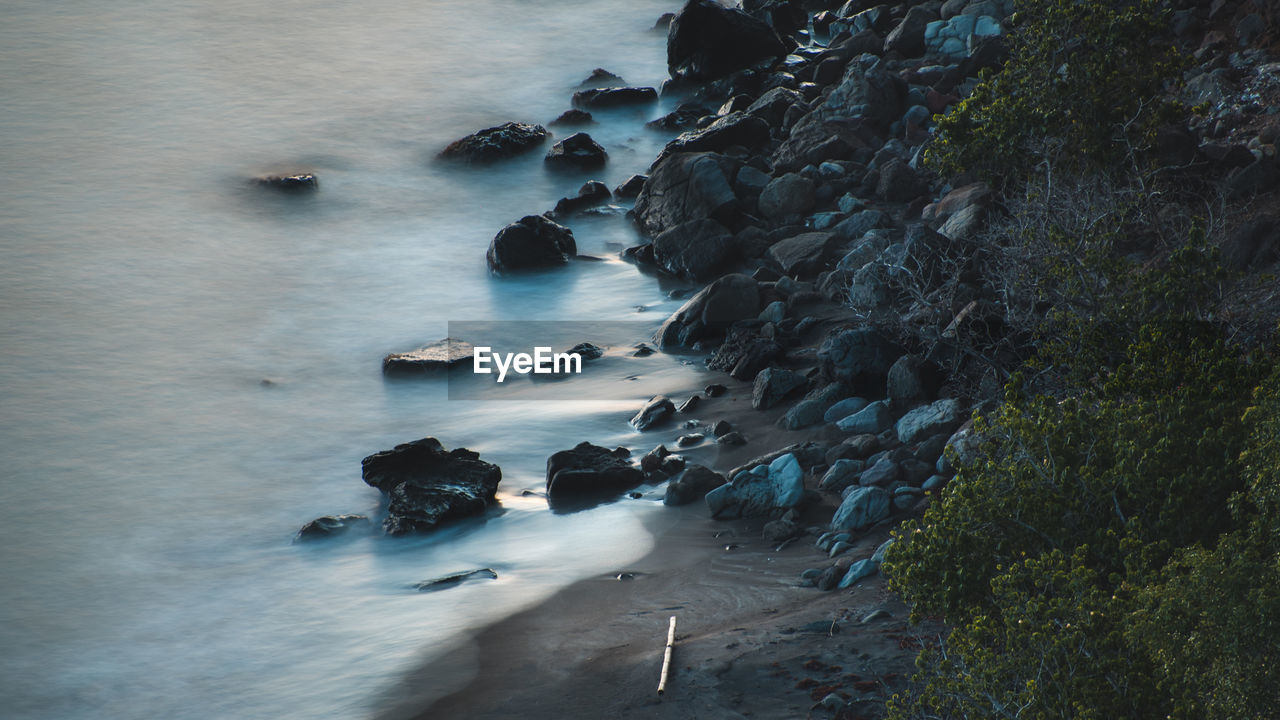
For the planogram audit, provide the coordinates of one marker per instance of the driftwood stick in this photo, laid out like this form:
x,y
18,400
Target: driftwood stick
x,y
666,656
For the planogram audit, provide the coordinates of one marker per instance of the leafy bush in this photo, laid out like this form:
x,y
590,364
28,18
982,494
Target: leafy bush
x,y
1085,85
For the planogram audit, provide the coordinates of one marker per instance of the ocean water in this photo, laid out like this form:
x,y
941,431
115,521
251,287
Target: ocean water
x,y
151,480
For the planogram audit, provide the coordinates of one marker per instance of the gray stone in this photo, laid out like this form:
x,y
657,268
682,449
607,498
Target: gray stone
x,y
707,40
908,37
873,419
734,129
839,548
772,105
803,414
853,355
764,490
842,474
496,143
330,526
774,384
899,183
427,485
941,416
802,255
857,571
858,224
775,312
883,473
862,508
439,355
577,151
710,312
844,409
905,386
605,97
790,194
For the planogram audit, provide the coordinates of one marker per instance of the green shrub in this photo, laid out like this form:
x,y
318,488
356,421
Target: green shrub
x,y
1085,86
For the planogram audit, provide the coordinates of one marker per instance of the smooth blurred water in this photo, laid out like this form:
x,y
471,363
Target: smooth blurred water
x,y
151,481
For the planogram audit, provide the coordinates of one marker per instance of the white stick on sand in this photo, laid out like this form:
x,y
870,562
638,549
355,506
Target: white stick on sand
x,y
666,656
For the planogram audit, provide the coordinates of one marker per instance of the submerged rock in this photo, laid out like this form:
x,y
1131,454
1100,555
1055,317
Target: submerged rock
x,y
428,485
531,242
448,581
298,182
495,143
439,355
330,526
590,469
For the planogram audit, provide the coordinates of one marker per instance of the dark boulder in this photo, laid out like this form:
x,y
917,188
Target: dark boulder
x,y
614,97
772,106
707,40
710,312
691,484
685,116
591,470
773,385
785,196
439,355
533,241
697,250
577,151
733,129
495,143
428,485
907,38
858,355
744,353
899,183
803,255
330,526
688,186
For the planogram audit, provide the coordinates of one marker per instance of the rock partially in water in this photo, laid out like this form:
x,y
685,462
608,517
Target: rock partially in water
x,y
330,526
657,410
439,355
447,581
630,187
577,151
710,312
296,182
531,242
614,97
495,143
592,193
692,484
591,470
601,78
428,485
574,117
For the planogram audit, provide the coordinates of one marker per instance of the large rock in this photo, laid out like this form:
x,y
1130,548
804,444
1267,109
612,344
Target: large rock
x,y
428,485
439,355
614,97
762,491
531,242
694,482
772,385
684,187
710,312
790,194
899,183
803,255
734,129
697,250
862,508
867,91
872,419
844,409
910,382
593,192
857,354
577,151
706,41
772,106
591,470
496,143
942,416
908,37
843,473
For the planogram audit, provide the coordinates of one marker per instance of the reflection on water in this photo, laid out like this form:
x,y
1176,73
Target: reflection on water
x,y
153,479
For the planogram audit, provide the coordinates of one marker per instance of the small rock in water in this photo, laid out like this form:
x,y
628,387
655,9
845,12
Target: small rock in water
x,y
448,581
655,411
290,183
577,150
329,526
731,438
496,143
642,350
439,355
721,428
600,78
690,439
715,390
630,187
